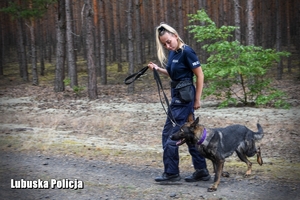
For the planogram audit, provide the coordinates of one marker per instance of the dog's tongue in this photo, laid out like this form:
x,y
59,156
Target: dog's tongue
x,y
179,142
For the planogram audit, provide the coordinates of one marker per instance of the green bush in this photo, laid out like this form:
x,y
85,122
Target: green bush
x,y
235,71
76,89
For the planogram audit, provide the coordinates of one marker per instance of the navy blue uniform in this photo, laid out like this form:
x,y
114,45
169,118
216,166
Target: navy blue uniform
x,y
179,66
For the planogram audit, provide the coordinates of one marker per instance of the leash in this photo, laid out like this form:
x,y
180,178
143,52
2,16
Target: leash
x,y
130,79
160,87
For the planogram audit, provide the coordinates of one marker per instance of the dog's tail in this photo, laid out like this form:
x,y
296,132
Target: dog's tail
x,y
260,133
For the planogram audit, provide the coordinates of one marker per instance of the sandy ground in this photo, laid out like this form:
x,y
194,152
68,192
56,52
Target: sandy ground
x,y
113,145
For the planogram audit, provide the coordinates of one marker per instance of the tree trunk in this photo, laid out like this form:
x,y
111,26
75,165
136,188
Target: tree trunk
x,y
60,47
92,75
289,63
83,34
1,47
162,7
180,27
97,36
224,12
72,66
138,40
130,44
41,48
22,51
42,60
250,22
298,33
237,20
110,34
49,45
118,38
278,39
35,80
152,23
103,73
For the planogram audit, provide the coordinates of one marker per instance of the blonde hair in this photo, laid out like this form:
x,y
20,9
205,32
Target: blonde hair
x,y
160,31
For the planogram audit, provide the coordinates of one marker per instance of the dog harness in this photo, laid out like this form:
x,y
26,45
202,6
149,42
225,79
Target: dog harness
x,y
203,137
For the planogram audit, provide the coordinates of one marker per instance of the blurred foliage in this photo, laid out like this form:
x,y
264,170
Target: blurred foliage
x,y
235,71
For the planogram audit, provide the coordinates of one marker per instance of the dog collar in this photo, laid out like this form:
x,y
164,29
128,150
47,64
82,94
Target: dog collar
x,y
203,137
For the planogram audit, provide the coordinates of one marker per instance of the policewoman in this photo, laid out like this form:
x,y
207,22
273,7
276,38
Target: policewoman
x,y
181,65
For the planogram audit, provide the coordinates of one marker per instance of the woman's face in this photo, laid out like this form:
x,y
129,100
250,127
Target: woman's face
x,y
169,41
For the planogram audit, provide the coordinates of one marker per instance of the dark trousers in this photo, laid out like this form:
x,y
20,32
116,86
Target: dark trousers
x,y
180,112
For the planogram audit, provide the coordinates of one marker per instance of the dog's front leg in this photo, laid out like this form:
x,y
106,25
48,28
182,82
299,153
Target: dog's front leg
x,y
218,171
214,166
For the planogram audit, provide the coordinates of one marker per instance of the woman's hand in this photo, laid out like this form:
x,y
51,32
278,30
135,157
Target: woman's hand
x,y
152,66
197,104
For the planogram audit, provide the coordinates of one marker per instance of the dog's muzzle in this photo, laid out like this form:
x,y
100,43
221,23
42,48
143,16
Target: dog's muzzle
x,y
179,141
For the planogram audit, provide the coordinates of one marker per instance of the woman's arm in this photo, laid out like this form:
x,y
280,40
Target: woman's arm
x,y
151,65
199,86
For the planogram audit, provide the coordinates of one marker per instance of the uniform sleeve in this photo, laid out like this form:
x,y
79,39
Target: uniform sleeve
x,y
192,60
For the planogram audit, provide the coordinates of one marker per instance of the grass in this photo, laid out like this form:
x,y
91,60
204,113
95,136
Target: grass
x,y
86,133
273,168
57,143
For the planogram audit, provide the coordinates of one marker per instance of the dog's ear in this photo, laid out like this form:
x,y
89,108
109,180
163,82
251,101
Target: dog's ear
x,y
194,124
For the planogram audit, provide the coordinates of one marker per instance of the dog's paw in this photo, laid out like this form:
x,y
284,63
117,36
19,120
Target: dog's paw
x,y
248,172
211,189
225,174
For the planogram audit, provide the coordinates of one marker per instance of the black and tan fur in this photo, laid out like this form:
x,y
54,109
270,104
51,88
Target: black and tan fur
x,y
220,143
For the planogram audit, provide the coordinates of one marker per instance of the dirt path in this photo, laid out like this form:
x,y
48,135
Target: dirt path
x,y
113,146
107,180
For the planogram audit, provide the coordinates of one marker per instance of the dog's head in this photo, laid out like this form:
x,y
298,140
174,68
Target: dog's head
x,y
188,133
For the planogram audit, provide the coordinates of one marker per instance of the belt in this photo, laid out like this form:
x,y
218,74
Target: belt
x,y
181,84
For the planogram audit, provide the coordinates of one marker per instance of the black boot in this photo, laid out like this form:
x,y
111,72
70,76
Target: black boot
x,y
168,177
198,175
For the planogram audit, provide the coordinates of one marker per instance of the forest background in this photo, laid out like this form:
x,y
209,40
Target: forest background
x,y
108,40
56,55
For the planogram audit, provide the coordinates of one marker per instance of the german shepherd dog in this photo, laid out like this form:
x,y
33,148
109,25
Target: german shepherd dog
x,y
216,144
